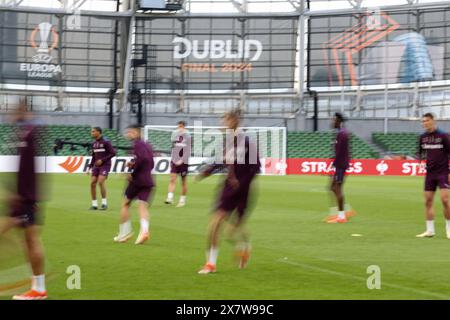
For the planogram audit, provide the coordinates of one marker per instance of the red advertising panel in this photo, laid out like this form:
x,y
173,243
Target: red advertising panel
x,y
368,167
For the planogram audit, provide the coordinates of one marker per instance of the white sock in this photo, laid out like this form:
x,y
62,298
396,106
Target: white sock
x,y
144,225
341,214
447,224
430,226
170,196
182,199
94,203
104,202
38,283
125,228
213,253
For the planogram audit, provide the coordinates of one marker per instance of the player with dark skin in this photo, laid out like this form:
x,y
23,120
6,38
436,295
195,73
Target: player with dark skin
x,y
102,153
340,163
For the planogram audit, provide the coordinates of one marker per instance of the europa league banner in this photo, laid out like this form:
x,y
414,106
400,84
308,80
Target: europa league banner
x,y
216,53
44,49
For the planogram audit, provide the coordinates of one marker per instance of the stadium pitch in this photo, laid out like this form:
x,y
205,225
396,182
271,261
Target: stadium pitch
x,y
295,254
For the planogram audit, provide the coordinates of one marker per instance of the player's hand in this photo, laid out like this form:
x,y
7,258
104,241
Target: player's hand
x,y
179,163
130,164
98,163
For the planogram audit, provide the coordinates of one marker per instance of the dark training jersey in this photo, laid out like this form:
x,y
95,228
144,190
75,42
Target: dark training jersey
x,y
27,184
246,160
242,162
240,158
181,147
436,146
342,149
143,164
102,150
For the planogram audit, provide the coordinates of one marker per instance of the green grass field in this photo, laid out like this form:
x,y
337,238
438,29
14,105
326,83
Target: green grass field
x,y
295,254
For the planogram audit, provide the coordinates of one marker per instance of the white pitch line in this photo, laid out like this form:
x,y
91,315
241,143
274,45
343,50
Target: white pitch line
x,y
383,283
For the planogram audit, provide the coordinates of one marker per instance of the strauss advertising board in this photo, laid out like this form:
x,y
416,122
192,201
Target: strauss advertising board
x,y
269,166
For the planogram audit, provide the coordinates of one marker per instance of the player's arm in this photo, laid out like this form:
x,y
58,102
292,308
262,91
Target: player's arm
x,y
187,149
446,142
209,169
173,139
151,155
91,164
253,149
342,140
136,163
420,151
111,152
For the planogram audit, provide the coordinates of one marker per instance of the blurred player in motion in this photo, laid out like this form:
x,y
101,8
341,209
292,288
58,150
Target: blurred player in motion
x,y
242,164
341,163
24,202
435,146
140,186
181,150
102,153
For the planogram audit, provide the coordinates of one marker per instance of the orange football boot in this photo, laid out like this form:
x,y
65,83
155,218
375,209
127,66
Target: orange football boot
x,y
31,295
208,268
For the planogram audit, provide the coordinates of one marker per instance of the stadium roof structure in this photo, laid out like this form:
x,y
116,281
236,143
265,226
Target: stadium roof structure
x,y
229,6
281,81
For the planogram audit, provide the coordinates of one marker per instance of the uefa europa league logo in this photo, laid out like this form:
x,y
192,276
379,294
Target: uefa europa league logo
x,y
44,31
43,50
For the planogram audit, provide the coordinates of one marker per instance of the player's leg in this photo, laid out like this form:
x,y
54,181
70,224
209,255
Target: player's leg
x,y
94,180
125,228
429,212
241,235
172,183
143,196
8,224
182,201
337,189
214,228
101,180
35,254
144,218
429,215
430,187
445,204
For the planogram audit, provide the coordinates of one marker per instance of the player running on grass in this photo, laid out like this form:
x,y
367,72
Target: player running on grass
x,y
341,163
436,145
102,153
140,187
24,203
181,150
242,164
